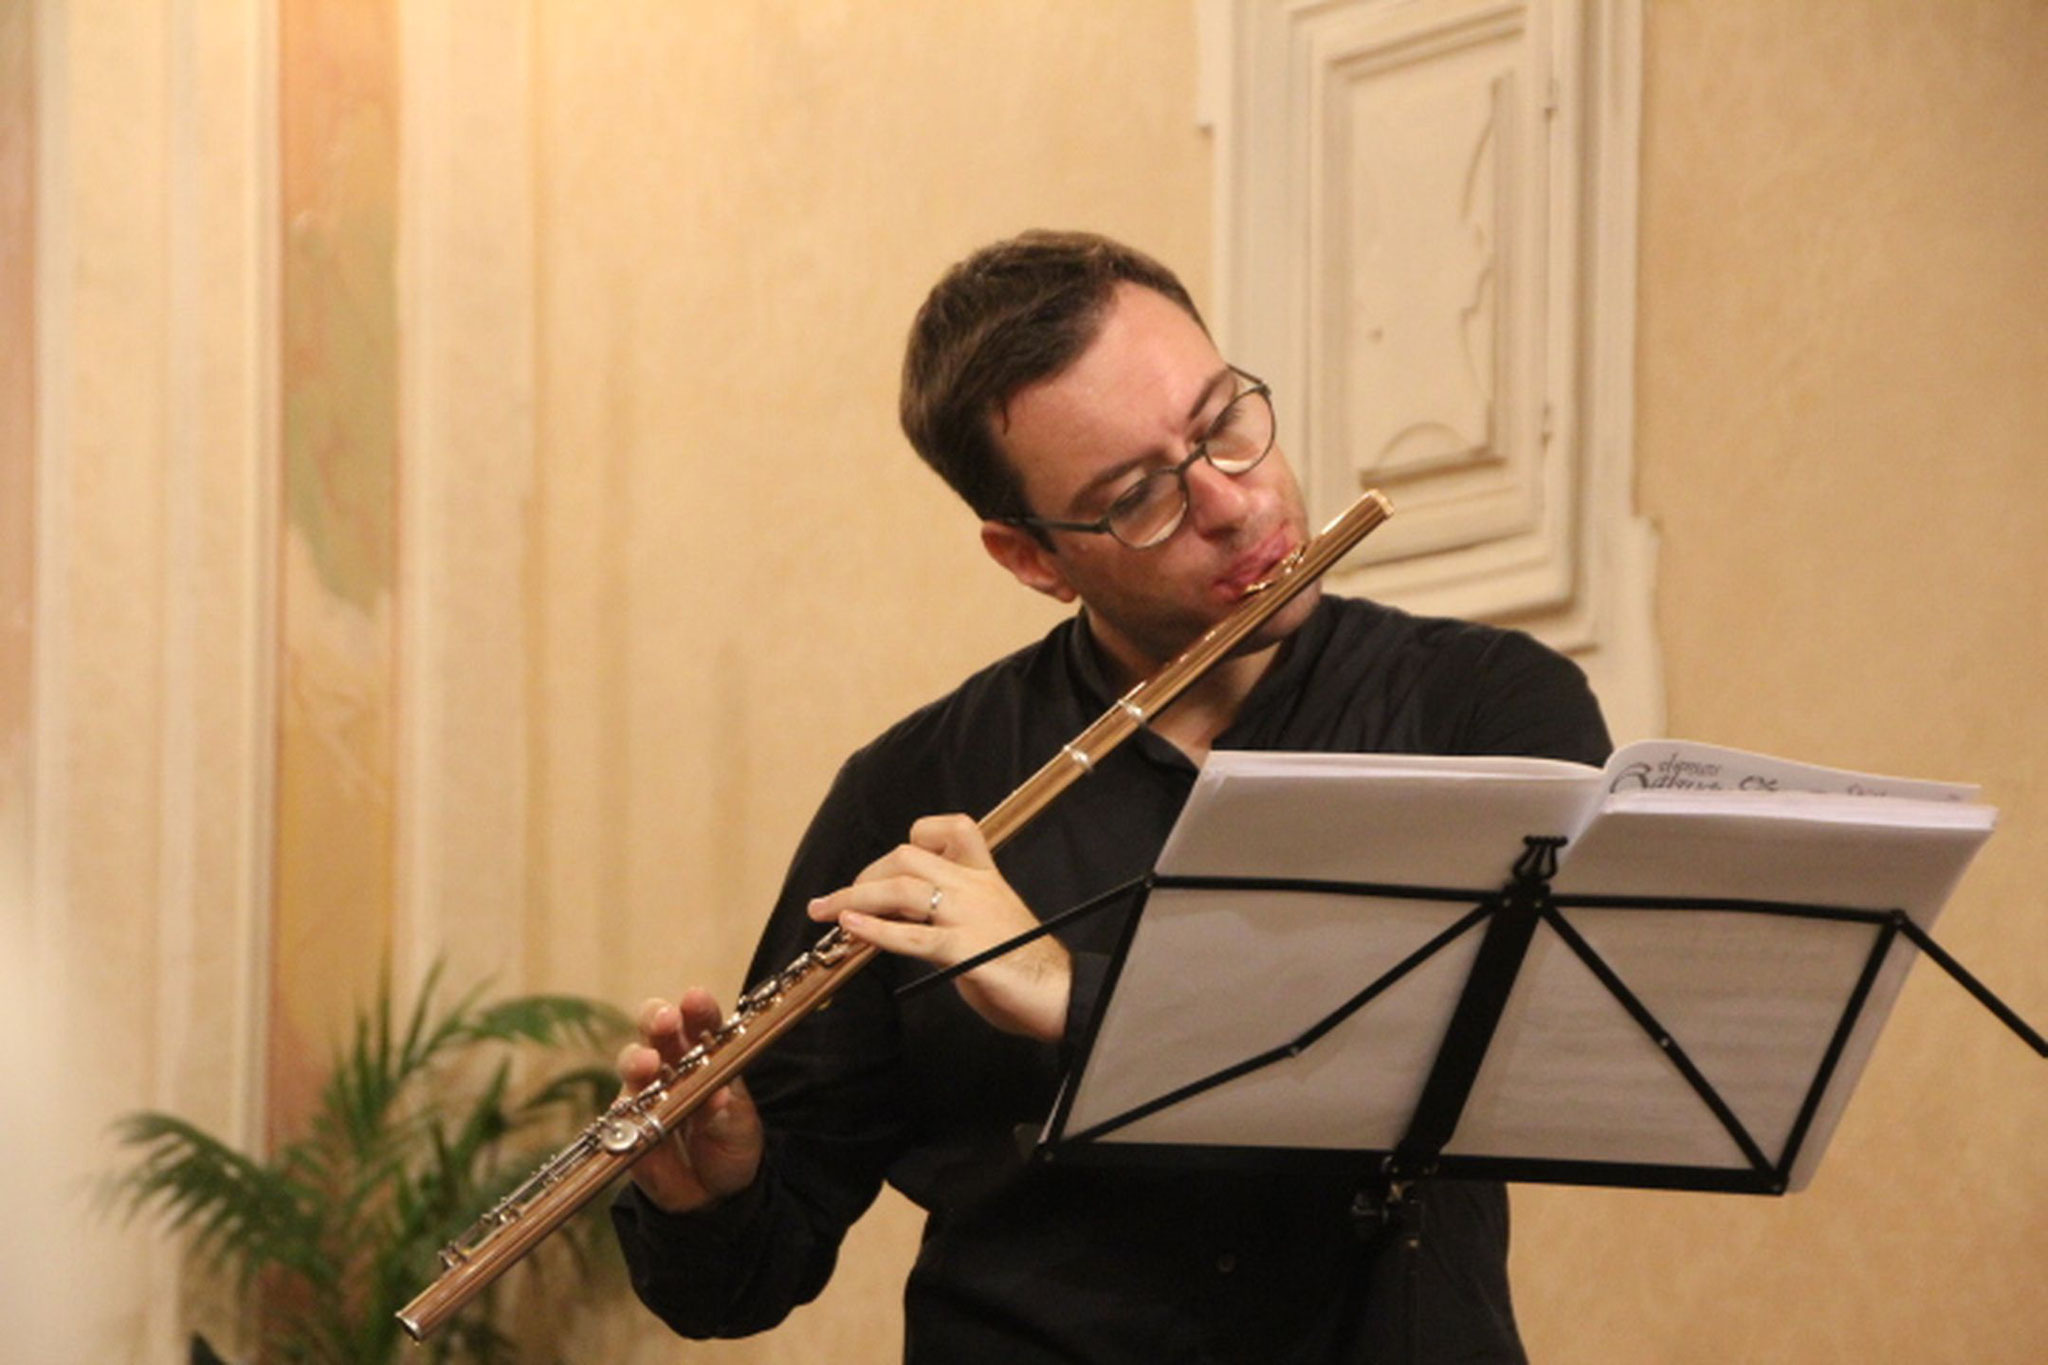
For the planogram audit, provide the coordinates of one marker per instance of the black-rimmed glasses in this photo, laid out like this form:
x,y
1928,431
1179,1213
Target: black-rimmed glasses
x,y
1152,509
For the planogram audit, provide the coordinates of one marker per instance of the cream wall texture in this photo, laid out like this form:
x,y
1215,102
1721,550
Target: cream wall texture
x,y
664,558
1844,333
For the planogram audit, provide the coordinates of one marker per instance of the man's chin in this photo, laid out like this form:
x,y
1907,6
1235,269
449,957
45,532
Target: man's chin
x,y
1282,623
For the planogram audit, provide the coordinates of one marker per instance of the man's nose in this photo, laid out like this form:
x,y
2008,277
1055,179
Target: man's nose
x,y
1216,500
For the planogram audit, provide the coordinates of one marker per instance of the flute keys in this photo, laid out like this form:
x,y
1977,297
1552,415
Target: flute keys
x,y
618,1136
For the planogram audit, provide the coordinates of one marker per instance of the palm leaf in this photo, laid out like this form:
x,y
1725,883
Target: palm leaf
x,y
420,1125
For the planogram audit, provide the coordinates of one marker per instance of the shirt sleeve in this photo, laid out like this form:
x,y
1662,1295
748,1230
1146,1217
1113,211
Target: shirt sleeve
x,y
740,1266
1523,698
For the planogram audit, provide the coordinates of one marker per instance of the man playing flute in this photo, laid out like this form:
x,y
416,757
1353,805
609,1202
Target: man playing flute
x,y
1065,386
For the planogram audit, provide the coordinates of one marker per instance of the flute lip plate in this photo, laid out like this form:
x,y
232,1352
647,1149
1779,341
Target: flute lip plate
x,y
1280,570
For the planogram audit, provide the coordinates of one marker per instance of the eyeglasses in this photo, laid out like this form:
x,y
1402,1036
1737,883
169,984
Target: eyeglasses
x,y
1152,509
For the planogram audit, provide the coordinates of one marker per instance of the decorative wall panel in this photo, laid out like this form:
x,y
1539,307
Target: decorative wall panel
x,y
1427,247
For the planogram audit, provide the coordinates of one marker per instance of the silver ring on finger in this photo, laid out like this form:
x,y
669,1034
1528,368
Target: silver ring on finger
x,y
931,907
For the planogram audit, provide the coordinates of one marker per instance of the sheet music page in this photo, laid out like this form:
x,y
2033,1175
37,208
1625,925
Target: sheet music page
x,y
1213,977
1753,998
1390,817
1678,765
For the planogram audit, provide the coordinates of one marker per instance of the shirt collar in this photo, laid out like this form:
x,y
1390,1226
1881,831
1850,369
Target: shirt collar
x,y
1289,672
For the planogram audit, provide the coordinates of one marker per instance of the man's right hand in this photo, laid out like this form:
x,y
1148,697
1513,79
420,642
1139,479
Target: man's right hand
x,y
717,1151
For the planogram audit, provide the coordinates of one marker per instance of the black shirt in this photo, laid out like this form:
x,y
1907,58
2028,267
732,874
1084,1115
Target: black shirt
x,y
1028,1262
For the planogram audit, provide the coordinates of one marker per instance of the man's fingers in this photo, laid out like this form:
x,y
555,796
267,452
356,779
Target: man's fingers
x,y
700,1014
638,1065
672,1028
717,1150
936,841
926,942
906,897
956,838
661,1028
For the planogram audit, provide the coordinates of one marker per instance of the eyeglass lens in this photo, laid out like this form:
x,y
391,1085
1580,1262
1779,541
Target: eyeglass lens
x,y
1239,438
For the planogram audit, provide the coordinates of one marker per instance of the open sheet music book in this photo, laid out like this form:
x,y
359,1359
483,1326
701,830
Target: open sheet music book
x,y
1710,883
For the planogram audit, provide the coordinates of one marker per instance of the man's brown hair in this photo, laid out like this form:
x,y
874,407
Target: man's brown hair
x,y
1008,316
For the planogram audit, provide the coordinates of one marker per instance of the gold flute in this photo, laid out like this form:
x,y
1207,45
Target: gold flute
x,y
635,1123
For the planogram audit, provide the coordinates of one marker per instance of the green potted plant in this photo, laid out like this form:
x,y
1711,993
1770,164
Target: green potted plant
x,y
419,1128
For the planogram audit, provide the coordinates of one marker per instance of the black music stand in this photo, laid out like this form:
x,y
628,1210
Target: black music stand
x,y
1324,966
1501,1034
1520,1034
1386,955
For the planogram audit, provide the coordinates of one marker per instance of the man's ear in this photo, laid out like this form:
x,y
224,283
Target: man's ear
x,y
1025,556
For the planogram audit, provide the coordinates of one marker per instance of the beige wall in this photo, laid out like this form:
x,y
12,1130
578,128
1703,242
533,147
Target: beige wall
x,y
469,511
1842,416
660,558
